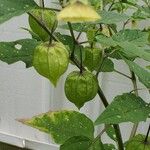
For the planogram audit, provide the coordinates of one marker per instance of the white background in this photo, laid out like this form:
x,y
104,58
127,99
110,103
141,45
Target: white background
x,y
24,93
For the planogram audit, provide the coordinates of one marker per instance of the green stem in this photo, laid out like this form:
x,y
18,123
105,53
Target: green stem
x,y
122,74
81,62
113,2
42,3
135,87
71,31
146,138
116,126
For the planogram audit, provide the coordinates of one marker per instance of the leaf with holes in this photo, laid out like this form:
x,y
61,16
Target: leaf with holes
x,y
11,8
125,108
21,50
81,143
62,125
138,143
143,75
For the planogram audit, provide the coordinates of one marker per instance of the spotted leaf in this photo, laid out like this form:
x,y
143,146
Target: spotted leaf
x,y
125,108
62,125
21,50
11,8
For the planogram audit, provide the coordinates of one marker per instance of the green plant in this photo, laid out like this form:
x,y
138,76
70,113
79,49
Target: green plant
x,y
107,38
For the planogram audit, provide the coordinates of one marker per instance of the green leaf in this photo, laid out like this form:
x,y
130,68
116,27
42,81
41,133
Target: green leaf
x,y
65,39
138,143
21,50
34,35
108,65
142,13
76,143
131,43
132,50
143,75
109,17
110,132
81,143
11,8
148,67
109,147
62,125
137,37
106,41
125,108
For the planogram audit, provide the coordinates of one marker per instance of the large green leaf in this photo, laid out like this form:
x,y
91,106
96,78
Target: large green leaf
x,y
138,143
142,13
132,50
131,43
11,8
143,75
125,108
106,41
21,50
81,143
137,37
109,17
62,125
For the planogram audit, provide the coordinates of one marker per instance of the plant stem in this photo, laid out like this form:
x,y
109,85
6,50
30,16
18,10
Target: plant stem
x,y
111,5
135,126
42,3
146,138
116,126
71,31
122,73
81,61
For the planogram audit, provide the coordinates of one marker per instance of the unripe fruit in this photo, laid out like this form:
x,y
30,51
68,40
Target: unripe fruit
x,y
93,58
138,143
47,17
81,88
51,60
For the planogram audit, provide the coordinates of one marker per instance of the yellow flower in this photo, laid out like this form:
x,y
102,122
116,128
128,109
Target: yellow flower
x,y
78,12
